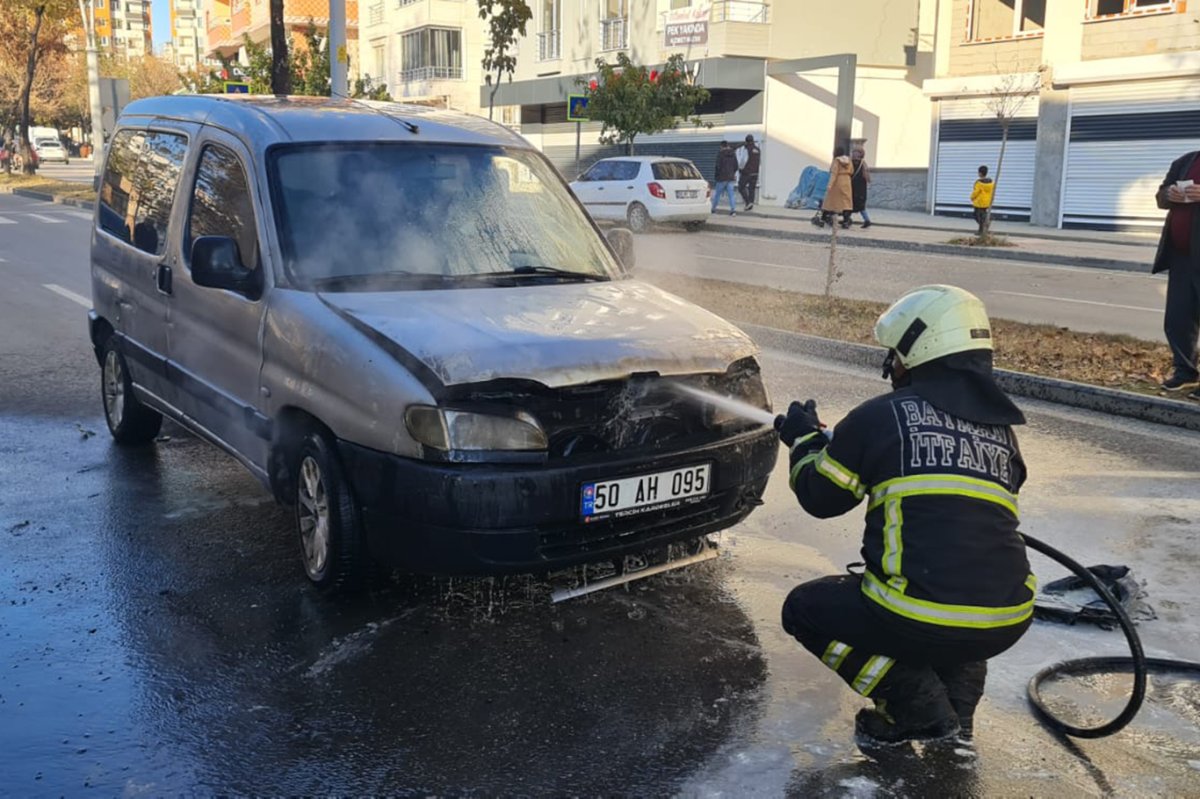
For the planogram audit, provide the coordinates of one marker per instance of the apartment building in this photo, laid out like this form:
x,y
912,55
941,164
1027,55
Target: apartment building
x,y
123,27
772,69
1114,98
425,51
227,22
187,49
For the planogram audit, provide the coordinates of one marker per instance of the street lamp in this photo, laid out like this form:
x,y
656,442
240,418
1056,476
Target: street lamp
x,y
93,73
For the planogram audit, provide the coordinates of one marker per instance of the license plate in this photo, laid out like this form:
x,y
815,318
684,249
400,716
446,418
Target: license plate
x,y
629,496
687,195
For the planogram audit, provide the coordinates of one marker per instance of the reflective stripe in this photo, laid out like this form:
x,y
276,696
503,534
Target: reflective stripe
x,y
871,673
952,484
835,653
840,475
803,440
800,464
975,616
893,544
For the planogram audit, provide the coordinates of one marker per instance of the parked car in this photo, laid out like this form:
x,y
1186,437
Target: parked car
x,y
401,322
50,150
644,190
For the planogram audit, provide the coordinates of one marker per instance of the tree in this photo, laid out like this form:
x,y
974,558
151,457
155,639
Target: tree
x,y
281,73
629,99
310,66
1012,93
39,28
506,22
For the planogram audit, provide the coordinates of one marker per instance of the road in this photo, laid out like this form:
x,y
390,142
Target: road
x,y
79,170
159,638
1081,298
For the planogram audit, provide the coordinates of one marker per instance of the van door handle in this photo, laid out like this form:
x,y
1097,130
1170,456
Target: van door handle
x,y
162,278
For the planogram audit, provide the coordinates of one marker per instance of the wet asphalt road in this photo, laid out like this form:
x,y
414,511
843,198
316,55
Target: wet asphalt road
x,y
158,636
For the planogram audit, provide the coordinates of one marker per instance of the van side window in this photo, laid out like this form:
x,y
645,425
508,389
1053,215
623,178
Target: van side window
x,y
139,183
221,203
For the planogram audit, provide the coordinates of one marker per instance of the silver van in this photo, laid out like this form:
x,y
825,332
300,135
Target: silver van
x,y
402,322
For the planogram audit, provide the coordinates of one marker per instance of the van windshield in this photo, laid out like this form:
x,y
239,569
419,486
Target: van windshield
x,y
362,217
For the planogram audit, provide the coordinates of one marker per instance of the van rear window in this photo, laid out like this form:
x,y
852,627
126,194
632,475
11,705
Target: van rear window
x,y
138,189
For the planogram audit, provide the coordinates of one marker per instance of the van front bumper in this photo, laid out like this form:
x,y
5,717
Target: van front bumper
x,y
450,518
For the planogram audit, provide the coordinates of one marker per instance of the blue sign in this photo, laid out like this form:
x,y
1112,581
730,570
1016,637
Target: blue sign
x,y
237,87
577,106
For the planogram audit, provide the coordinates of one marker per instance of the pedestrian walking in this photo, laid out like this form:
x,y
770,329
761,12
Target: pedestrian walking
x,y
1179,256
839,197
981,197
859,180
749,158
946,584
727,167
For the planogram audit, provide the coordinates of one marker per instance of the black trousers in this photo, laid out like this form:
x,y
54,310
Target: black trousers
x,y
1181,321
980,217
831,618
747,186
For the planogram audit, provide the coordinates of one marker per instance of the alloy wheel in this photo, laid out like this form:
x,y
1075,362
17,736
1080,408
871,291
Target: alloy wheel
x,y
314,519
114,389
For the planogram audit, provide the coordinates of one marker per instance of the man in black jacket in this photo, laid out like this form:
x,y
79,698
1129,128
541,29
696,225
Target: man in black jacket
x,y
749,159
1179,254
946,584
725,177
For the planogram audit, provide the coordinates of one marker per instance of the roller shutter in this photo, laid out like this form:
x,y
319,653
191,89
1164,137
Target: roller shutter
x,y
969,135
1122,139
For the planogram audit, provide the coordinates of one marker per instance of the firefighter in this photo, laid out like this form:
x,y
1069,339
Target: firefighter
x,y
946,583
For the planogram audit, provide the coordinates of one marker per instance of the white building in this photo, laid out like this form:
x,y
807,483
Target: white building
x,y
188,46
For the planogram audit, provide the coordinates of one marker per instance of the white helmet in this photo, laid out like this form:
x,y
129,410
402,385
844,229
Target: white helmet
x,y
933,321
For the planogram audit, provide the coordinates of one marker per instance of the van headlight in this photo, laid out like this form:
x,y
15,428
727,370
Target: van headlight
x,y
450,430
745,387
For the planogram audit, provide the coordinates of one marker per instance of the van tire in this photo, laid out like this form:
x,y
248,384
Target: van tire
x,y
130,422
332,549
638,217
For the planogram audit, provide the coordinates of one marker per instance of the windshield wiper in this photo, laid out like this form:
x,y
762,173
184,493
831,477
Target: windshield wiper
x,y
388,279
545,271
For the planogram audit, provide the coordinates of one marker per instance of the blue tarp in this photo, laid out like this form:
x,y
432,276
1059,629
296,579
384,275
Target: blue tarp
x,y
810,191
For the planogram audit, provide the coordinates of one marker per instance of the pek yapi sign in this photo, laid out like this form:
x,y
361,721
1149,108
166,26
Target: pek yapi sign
x,y
686,26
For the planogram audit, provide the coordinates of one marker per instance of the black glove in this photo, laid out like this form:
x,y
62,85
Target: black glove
x,y
799,422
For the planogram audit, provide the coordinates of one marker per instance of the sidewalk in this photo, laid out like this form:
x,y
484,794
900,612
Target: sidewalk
x,y
907,230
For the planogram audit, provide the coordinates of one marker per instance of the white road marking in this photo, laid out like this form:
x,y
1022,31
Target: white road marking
x,y
6,221
70,295
78,215
48,219
1078,302
756,263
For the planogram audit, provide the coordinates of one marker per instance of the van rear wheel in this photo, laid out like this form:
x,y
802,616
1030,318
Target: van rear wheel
x,y
129,421
327,518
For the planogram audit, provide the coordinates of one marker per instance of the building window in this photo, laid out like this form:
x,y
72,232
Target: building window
x,y
377,57
1005,19
431,54
550,32
614,24
1115,8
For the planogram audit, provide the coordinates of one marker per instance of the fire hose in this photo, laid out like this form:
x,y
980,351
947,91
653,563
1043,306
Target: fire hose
x,y
1137,661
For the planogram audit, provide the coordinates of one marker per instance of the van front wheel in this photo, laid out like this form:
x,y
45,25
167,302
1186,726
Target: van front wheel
x,y
327,518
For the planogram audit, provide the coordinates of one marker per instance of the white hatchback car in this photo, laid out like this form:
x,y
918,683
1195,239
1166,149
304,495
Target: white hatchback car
x,y
50,150
645,189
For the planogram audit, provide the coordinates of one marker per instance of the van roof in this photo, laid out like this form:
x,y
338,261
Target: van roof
x,y
262,120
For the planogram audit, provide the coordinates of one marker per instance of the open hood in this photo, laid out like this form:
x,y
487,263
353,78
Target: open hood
x,y
557,335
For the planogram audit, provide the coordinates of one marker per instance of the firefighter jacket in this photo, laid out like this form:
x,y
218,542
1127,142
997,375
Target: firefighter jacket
x,y
941,545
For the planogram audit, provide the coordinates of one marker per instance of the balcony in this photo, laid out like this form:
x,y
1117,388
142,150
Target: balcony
x,y
614,33
740,11
421,74
549,45
375,14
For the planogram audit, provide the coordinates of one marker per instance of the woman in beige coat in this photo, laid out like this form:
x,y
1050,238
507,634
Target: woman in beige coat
x,y
839,197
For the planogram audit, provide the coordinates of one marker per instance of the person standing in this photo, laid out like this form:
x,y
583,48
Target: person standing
x,y
981,197
1179,256
860,178
749,158
725,177
839,197
945,584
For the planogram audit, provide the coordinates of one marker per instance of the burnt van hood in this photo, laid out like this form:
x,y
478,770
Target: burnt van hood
x,y
557,335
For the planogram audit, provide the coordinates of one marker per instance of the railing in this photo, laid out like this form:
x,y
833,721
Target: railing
x,y
402,3
614,33
430,73
375,14
549,45
740,11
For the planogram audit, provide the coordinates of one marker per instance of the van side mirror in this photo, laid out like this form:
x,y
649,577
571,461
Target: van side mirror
x,y
621,240
217,264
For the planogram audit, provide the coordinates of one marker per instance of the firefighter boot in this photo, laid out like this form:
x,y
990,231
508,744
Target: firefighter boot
x,y
964,685
911,704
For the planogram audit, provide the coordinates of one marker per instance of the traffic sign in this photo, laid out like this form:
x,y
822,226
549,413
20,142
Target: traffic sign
x,y
237,87
577,107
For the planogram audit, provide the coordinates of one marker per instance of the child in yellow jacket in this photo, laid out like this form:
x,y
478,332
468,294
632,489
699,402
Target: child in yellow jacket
x,y
981,196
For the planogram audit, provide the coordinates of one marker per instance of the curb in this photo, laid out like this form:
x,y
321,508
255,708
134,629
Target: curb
x,y
1001,253
1111,401
87,205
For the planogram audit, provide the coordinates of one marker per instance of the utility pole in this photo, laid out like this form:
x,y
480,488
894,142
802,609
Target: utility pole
x,y
339,59
93,73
